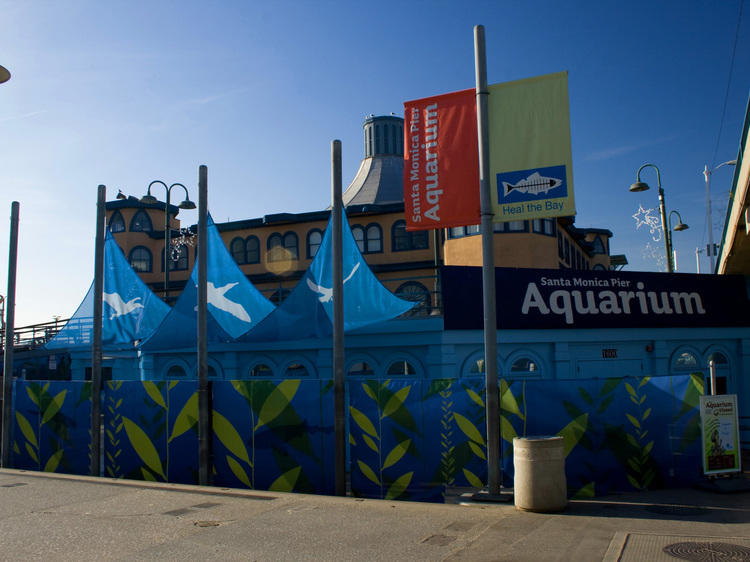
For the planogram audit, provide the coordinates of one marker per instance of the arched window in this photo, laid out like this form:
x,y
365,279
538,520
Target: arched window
x,y
361,369
474,366
141,222
415,292
401,240
295,370
401,368
686,361
291,244
261,370
237,249
721,367
175,372
140,259
374,239
252,249
314,238
359,237
178,259
116,223
274,245
524,367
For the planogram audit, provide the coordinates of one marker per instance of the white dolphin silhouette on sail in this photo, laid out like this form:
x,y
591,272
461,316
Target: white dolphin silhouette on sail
x,y
119,306
326,294
215,296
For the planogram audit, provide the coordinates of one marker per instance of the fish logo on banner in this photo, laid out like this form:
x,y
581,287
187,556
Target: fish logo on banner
x,y
532,185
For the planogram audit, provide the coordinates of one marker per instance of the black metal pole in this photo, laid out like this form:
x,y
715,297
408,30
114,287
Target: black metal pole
x,y
488,269
167,240
204,428
338,319
96,346
10,308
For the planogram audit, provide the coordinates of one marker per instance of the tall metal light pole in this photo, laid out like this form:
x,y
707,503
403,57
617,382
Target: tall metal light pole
x,y
707,174
643,186
186,204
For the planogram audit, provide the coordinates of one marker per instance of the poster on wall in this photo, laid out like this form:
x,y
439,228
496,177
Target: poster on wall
x,y
720,434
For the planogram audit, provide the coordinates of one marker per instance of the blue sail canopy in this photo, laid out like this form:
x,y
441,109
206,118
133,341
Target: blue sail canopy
x,y
130,310
308,311
234,304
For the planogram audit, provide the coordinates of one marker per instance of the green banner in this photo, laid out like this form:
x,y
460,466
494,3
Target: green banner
x,y
531,168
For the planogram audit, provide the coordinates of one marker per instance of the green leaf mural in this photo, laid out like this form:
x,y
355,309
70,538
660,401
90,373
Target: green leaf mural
x,y
573,432
399,486
395,402
368,472
473,479
26,429
54,407
363,422
286,482
278,400
396,453
238,471
468,429
508,402
143,446
187,418
54,461
154,393
230,437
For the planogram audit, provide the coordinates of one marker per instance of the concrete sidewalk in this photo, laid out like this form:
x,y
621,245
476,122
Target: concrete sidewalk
x,y
57,517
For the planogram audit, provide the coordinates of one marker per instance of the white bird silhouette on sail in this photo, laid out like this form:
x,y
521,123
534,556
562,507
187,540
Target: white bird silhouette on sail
x,y
326,294
215,296
119,306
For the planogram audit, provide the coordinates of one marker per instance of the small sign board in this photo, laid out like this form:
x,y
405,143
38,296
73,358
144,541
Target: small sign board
x,y
720,434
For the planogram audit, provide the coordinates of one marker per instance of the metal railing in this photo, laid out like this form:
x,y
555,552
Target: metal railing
x,y
33,335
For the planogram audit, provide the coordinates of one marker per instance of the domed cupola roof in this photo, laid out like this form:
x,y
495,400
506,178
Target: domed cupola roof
x,y
379,180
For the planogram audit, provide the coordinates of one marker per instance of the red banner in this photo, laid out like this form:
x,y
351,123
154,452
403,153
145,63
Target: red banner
x,y
441,161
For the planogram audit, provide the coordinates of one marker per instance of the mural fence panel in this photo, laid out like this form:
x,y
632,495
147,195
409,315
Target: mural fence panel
x,y
408,438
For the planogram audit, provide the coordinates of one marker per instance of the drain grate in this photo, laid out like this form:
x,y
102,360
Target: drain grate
x,y
708,551
681,510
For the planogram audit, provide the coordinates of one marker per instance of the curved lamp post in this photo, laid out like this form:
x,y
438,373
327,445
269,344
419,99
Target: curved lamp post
x,y
678,227
643,186
186,204
707,174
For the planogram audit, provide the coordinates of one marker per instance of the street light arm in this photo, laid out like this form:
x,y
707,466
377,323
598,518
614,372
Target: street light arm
x,y
658,176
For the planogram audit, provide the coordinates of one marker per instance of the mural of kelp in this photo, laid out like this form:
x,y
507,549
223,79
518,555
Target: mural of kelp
x,y
274,435
151,430
52,426
411,439
407,438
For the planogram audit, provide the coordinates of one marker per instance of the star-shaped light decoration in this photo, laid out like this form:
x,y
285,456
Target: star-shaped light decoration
x,y
645,217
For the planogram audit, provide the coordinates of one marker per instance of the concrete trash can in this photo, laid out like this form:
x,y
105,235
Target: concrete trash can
x,y
539,481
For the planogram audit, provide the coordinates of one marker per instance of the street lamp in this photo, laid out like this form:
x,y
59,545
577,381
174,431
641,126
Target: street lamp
x,y
4,74
643,186
707,174
186,204
679,227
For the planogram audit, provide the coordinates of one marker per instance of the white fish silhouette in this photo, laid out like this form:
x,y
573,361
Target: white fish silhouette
x,y
215,296
534,184
326,294
119,306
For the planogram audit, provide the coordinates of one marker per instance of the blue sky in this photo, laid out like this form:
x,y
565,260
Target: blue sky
x,y
123,93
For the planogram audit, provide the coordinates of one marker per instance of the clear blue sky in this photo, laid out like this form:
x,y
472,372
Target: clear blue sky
x,y
122,93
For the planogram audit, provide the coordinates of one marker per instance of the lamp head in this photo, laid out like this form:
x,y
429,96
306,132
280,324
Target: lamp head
x,y
639,186
681,226
4,74
186,204
149,199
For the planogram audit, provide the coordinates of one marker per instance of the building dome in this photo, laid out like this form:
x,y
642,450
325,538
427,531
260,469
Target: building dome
x,y
379,180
